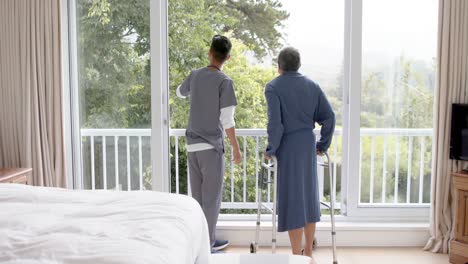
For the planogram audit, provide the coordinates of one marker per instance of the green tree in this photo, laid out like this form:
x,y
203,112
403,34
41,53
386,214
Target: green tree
x,y
415,104
407,103
256,23
114,76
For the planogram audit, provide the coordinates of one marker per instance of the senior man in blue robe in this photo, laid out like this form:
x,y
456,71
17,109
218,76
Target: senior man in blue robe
x,y
295,105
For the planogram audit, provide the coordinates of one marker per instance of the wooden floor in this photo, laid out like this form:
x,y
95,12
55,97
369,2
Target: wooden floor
x,y
366,255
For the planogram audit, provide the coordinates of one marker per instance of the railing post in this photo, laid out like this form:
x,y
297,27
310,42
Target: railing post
x,y
421,170
397,168
93,176
384,171
104,162
335,151
129,179
232,175
176,147
189,189
116,153
371,185
408,176
360,169
256,167
244,193
140,163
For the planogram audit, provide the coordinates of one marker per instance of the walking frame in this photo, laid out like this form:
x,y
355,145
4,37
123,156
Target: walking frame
x,y
265,181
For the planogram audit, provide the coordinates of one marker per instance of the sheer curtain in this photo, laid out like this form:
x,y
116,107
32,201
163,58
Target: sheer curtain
x,y
452,88
31,125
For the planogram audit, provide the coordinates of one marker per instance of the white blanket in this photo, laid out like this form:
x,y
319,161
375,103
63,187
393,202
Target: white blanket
x,y
48,225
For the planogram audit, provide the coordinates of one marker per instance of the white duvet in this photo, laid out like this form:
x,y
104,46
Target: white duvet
x,y
47,225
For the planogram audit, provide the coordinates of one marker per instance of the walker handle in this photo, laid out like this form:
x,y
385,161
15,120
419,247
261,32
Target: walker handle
x,y
327,164
269,166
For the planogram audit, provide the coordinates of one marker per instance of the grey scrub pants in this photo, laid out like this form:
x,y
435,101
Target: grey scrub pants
x,y
206,170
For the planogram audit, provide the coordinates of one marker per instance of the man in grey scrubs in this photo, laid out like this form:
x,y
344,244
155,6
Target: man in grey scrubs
x,y
212,104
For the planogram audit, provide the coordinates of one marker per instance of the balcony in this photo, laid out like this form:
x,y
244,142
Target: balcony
x,y
127,167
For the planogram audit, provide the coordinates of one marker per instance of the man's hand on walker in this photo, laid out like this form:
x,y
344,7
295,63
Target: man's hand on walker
x,y
319,153
267,157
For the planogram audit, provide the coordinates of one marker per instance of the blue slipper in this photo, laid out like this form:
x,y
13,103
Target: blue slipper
x,y
220,244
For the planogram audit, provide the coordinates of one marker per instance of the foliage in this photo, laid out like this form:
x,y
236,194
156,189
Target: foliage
x,y
114,76
256,23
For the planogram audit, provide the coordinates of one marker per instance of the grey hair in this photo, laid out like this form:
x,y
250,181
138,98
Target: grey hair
x,y
289,59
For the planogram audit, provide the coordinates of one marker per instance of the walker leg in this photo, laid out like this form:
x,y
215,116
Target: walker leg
x,y
253,248
275,174
332,207
254,244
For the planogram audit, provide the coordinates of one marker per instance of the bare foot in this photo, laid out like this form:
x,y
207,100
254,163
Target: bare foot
x,y
312,260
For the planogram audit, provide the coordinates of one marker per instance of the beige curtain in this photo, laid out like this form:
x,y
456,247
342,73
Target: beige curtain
x,y
452,88
31,132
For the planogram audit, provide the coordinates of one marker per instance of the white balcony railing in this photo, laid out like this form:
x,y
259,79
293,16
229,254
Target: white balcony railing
x,y
384,177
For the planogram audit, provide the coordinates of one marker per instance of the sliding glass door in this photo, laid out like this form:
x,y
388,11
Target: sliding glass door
x,y
374,59
396,96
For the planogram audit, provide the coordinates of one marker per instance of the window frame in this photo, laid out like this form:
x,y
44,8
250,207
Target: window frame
x,y
160,143
70,74
352,97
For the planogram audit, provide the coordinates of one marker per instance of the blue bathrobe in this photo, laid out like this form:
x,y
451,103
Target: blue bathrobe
x,y
295,104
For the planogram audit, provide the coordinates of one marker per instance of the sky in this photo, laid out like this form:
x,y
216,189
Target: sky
x,y
390,28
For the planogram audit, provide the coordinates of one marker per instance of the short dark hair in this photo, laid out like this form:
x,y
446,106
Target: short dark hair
x,y
289,59
220,47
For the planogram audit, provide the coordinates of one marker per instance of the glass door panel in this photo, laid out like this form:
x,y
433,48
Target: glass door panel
x,y
114,98
397,95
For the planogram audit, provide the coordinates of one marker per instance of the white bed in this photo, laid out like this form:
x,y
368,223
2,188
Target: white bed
x,y
47,225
